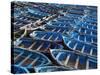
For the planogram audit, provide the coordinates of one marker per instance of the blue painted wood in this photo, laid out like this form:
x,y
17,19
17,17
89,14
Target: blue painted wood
x,y
71,37
38,45
51,69
18,69
25,59
73,60
58,29
81,47
48,36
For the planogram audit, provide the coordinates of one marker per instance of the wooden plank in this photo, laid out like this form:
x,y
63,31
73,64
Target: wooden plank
x,y
59,54
91,51
53,29
25,59
64,31
40,47
44,36
67,59
59,30
33,62
18,56
87,64
77,62
75,46
83,49
56,38
50,37
32,45
68,43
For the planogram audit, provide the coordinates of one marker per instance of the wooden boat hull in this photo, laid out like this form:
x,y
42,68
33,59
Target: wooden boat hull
x,y
80,47
58,29
19,70
25,59
36,44
73,60
91,39
48,36
51,69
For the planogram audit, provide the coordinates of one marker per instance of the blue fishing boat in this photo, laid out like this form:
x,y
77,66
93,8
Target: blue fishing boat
x,y
81,47
58,29
24,59
51,69
18,69
36,44
87,26
73,60
91,39
83,30
49,36
60,23
76,12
